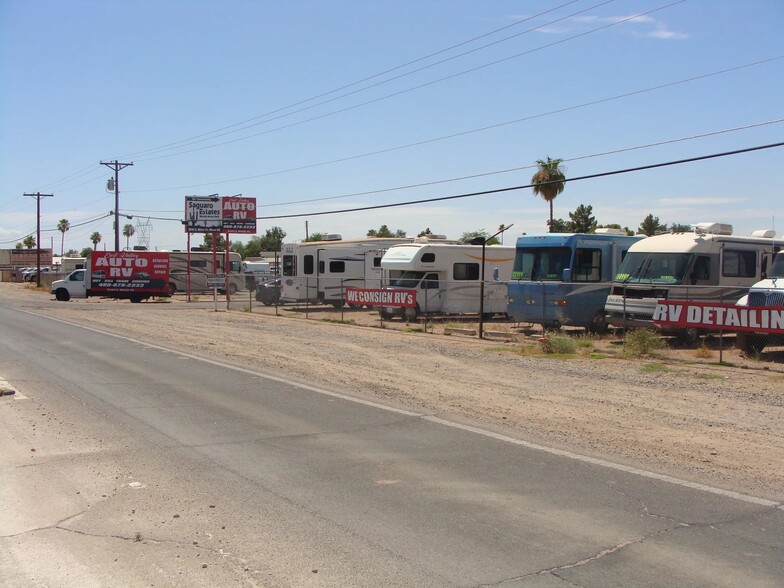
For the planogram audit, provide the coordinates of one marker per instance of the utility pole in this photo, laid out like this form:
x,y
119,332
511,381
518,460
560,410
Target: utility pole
x,y
38,197
116,166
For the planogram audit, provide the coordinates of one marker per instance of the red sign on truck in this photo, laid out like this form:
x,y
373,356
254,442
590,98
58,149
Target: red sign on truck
x,y
144,272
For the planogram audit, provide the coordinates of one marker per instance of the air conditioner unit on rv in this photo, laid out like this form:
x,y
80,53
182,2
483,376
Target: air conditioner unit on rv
x,y
764,233
331,237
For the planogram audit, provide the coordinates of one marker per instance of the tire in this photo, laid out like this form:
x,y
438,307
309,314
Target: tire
x,y
338,304
62,295
267,302
135,298
410,313
598,324
687,337
232,289
172,288
385,314
751,343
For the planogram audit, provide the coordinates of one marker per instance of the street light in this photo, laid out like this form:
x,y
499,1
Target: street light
x,y
480,240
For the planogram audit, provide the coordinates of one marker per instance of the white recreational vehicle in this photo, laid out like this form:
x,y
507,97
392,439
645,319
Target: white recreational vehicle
x,y
767,292
201,266
319,271
708,265
447,277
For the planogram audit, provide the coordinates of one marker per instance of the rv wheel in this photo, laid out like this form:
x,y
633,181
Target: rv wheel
x,y
385,314
232,289
410,313
172,288
750,343
598,324
687,337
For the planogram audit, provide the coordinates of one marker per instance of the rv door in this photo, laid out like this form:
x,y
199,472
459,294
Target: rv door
x,y
430,296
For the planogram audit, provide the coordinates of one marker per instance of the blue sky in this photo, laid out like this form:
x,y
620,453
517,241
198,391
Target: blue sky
x,y
315,106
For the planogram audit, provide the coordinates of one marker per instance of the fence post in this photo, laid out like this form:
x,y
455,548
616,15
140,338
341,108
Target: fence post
x,y
342,300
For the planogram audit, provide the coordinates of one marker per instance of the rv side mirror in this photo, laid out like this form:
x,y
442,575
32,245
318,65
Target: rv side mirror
x,y
567,275
495,274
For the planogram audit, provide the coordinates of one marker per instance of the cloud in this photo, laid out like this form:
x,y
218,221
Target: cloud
x,y
697,201
653,28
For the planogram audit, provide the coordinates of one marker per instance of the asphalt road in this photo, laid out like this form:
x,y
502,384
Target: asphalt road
x,y
127,464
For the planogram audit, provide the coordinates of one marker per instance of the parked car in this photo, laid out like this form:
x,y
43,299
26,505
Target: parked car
x,y
269,292
31,275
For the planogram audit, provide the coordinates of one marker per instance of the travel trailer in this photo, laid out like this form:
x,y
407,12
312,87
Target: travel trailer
x,y
709,264
563,279
201,266
319,271
447,278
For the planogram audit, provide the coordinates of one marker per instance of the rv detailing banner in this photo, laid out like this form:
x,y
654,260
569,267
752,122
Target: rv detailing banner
x,y
727,317
380,297
129,271
239,214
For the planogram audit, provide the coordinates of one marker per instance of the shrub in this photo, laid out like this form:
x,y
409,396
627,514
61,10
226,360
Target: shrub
x,y
558,344
642,343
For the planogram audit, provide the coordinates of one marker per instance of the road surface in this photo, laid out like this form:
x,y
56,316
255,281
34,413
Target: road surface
x,y
125,463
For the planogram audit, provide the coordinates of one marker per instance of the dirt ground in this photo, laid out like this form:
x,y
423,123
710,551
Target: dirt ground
x,y
681,413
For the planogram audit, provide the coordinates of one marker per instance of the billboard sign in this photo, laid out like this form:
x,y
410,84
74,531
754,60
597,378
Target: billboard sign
x,y
239,214
380,297
715,316
203,214
129,271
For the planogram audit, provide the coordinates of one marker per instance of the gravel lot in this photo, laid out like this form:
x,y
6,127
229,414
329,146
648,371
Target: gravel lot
x,y
680,413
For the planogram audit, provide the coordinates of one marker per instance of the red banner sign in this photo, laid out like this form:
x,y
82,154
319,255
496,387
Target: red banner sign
x,y
726,317
381,297
129,271
239,214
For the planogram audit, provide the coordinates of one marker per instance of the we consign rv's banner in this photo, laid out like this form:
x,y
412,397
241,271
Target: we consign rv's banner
x,y
714,316
129,271
380,297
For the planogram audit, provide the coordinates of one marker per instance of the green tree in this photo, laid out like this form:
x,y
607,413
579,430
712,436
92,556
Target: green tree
x,y
95,238
680,228
18,246
559,225
548,182
384,231
425,233
128,232
315,237
207,242
63,225
581,220
651,225
72,253
272,239
85,252
467,236
29,241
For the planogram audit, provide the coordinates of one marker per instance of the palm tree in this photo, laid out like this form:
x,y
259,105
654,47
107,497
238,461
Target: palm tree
x,y
548,182
29,241
128,232
95,238
63,226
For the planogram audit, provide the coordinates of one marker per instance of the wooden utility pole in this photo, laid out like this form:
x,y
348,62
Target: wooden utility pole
x,y
38,197
116,166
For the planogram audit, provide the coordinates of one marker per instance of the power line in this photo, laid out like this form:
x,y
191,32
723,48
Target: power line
x,y
408,90
189,140
514,188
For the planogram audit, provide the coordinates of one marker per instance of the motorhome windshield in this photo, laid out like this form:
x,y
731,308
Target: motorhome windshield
x,y
777,269
407,280
540,263
656,268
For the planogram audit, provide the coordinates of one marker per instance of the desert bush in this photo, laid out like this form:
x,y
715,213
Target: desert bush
x,y
642,343
558,344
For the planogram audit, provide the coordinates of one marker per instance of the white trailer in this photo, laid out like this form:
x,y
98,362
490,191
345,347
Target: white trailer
x,y
319,271
447,277
706,265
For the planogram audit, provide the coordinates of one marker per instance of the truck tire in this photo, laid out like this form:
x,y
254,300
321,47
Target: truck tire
x,y
62,295
751,343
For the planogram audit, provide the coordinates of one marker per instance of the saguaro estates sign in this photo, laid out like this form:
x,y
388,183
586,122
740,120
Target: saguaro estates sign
x,y
714,316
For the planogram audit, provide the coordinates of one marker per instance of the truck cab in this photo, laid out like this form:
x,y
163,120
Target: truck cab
x,y
73,285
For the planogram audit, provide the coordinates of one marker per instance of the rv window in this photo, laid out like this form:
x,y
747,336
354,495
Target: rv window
x,y
337,267
540,263
199,263
307,262
587,265
466,271
234,266
428,257
702,269
376,262
289,265
406,279
739,264
430,282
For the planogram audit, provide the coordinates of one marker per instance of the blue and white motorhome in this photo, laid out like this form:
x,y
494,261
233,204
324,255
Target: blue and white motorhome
x,y
563,279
